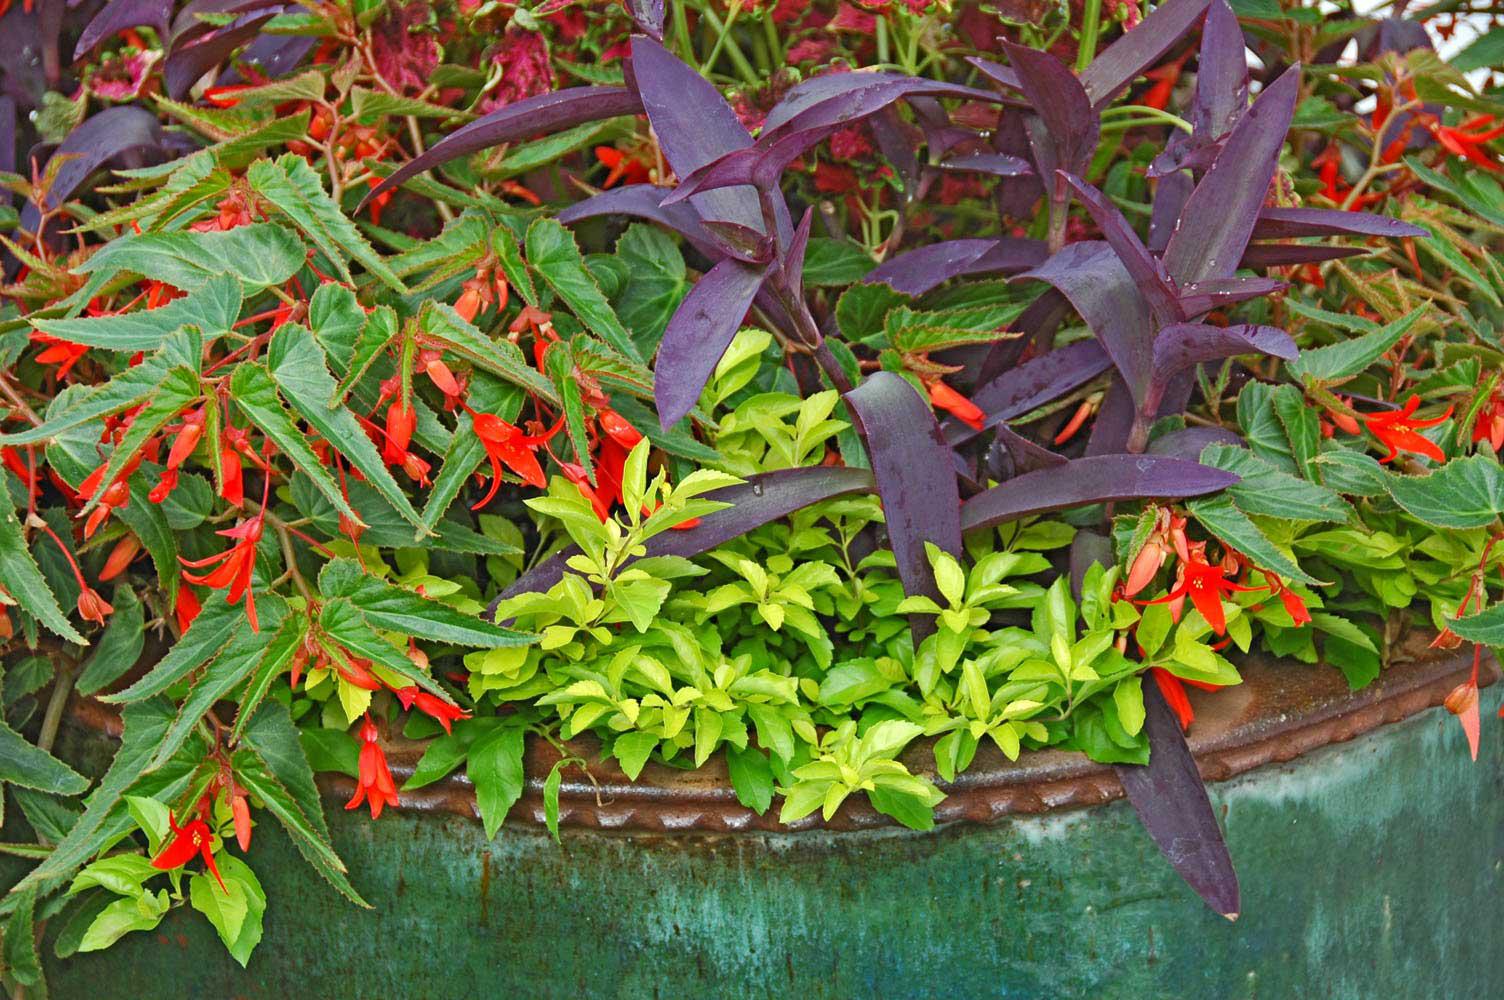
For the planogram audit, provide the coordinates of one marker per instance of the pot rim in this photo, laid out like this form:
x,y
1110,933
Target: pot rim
x,y
1282,710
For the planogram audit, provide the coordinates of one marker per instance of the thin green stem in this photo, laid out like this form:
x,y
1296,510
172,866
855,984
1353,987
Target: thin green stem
x,y
1091,24
733,50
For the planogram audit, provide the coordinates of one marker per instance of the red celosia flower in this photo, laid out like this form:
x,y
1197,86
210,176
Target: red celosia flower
x,y
375,785
1397,430
193,837
957,405
233,567
1205,584
429,704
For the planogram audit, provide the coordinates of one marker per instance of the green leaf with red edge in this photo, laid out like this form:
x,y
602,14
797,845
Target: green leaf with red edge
x,y
280,650
292,187
23,579
254,776
261,255
465,453
509,256
298,366
255,393
389,607
1464,493
560,363
443,327
215,625
1486,627
552,253
149,524
213,307
233,664
1221,517
79,405
273,736
177,391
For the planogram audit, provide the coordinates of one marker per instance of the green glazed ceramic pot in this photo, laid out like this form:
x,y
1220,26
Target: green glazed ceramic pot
x,y
1370,851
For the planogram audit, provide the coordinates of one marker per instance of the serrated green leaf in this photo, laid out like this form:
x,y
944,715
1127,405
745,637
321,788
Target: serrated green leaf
x,y
1222,518
552,253
1345,359
23,579
1464,493
261,254
216,623
213,307
389,607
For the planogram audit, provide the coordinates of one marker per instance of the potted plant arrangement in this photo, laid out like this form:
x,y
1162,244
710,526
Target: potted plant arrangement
x,y
706,472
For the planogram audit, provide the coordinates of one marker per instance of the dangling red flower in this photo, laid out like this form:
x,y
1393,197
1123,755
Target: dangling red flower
x,y
1173,689
1463,703
1205,584
92,607
1490,423
193,837
429,704
375,785
957,405
1396,429
233,566
507,445
65,354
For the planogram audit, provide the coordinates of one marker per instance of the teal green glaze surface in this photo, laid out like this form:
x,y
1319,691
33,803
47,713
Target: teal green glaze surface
x,y
1370,869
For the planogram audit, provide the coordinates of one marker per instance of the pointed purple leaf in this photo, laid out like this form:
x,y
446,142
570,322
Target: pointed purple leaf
x,y
699,333
524,119
1188,443
1218,218
1153,283
1114,421
118,15
1221,74
644,201
1284,254
1122,62
1185,345
1171,801
925,268
760,166
1061,103
765,497
1100,288
1204,296
1293,223
916,479
1169,201
1033,384
1003,76
995,164
1091,480
1028,456
187,61
694,124
121,136
794,262
851,96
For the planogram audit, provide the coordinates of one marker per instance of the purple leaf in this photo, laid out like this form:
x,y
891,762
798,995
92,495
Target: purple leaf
x,y
1091,480
1027,455
996,164
916,479
1061,103
758,166
274,56
1189,442
1292,223
117,16
1153,283
1218,218
1123,61
928,267
124,135
847,97
1114,422
762,498
7,142
1204,296
793,263
1003,76
694,124
187,61
526,118
1185,345
893,141
1100,288
648,16
1170,799
645,201
1169,200
1282,254
699,333
1032,384
1221,74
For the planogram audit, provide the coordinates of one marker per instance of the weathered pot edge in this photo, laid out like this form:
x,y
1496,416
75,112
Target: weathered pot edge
x,y
669,800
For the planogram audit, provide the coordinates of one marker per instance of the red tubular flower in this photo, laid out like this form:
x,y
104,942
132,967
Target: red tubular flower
x,y
400,423
233,567
957,405
120,557
92,607
1490,423
240,811
63,353
1173,689
1396,429
1205,584
187,607
617,429
575,473
507,445
1463,703
1467,140
375,785
193,837
431,705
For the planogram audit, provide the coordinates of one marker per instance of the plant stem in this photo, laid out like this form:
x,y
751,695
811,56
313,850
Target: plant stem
x,y
733,50
1091,23
62,687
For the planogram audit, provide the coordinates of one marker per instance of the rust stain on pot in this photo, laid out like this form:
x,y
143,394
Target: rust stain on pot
x,y
1281,711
